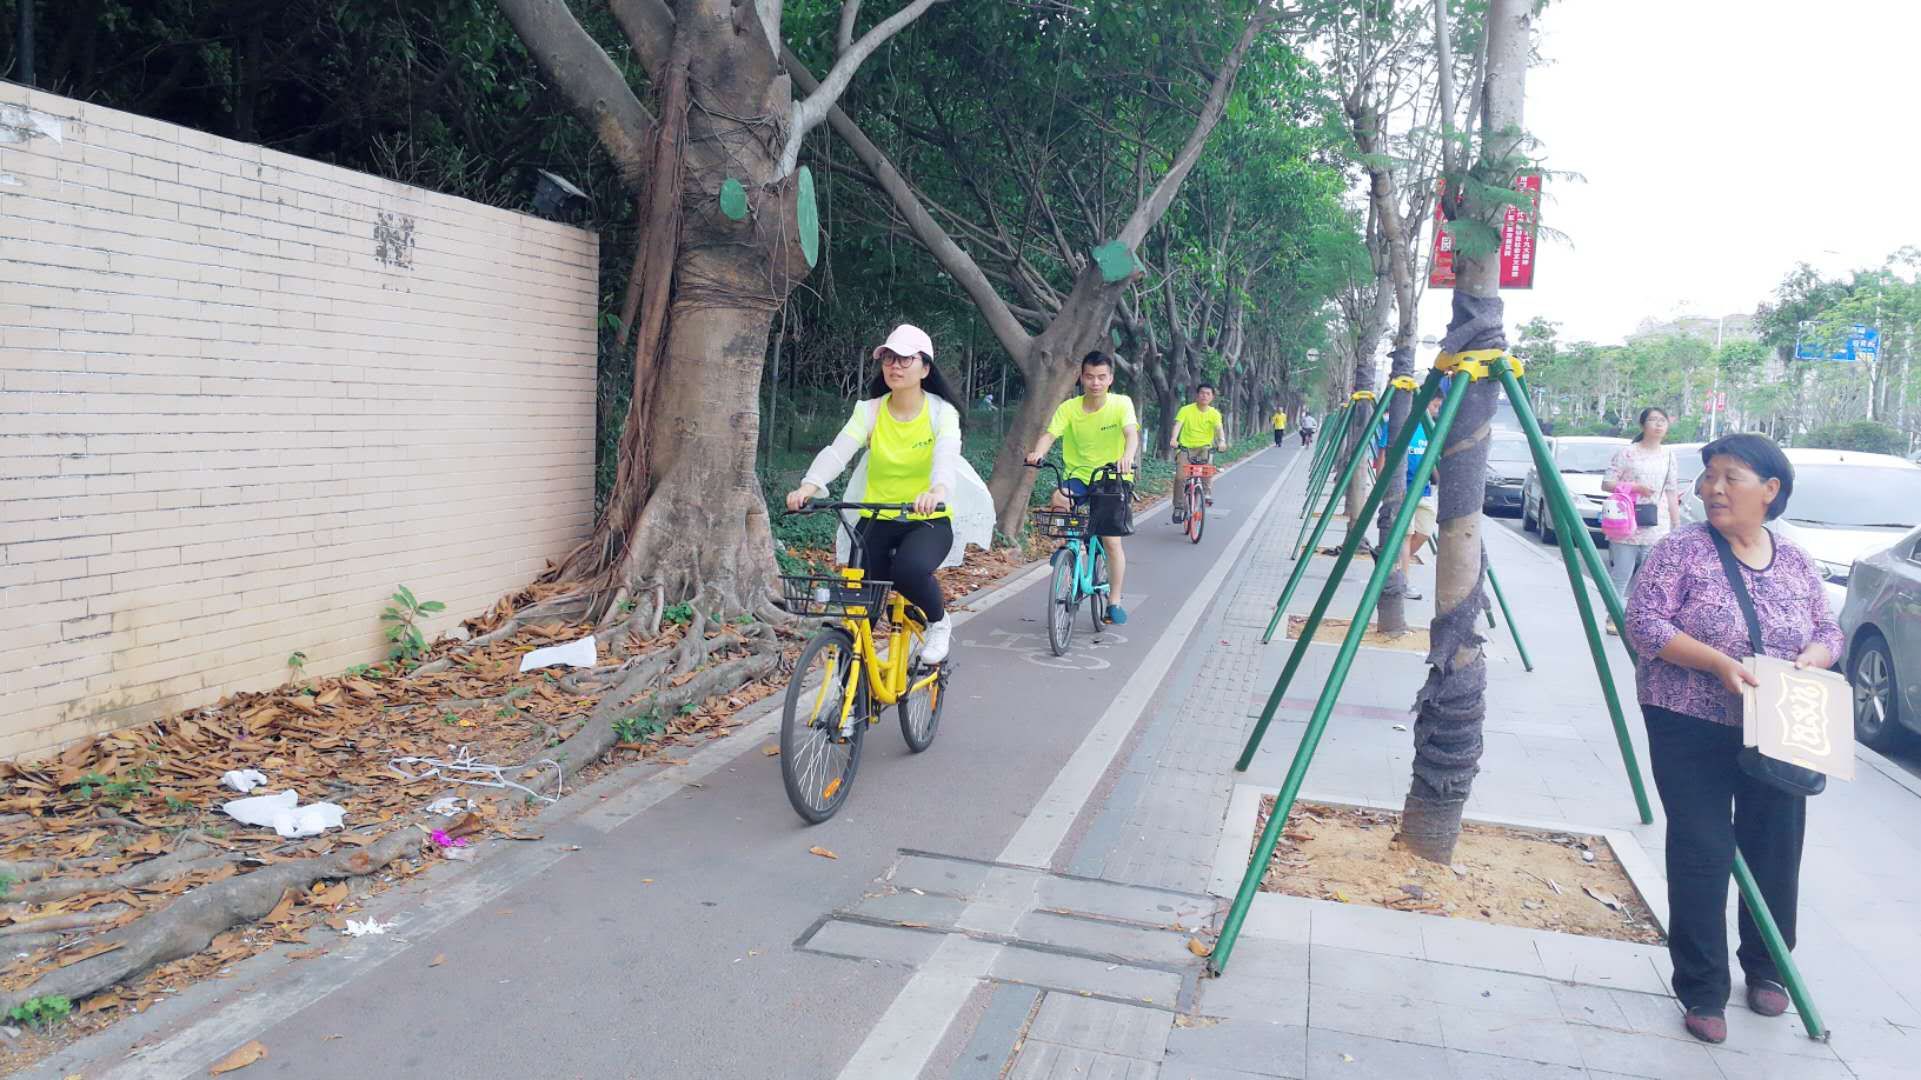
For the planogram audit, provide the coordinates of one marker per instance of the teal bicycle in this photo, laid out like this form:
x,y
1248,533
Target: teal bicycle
x,y
1080,565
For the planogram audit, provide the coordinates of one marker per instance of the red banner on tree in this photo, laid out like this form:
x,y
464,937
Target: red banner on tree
x,y
1517,241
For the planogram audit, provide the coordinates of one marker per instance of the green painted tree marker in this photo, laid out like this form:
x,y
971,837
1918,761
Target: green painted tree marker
x,y
1116,262
1573,534
807,216
733,199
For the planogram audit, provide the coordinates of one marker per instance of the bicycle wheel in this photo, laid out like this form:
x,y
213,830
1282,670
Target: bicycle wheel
x,y
1196,512
920,712
1061,601
1097,600
817,764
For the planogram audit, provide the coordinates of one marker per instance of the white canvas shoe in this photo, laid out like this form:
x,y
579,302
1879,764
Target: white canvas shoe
x,y
939,637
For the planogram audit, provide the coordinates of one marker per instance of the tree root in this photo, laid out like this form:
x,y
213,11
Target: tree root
x,y
693,648
180,862
62,923
596,737
189,924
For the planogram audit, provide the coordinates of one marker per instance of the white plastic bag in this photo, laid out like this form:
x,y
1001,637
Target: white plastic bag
x,y
283,814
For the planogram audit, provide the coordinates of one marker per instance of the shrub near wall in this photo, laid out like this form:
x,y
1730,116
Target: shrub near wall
x,y
244,395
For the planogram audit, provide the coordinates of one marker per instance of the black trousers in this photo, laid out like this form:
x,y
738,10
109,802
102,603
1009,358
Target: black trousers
x,y
1696,773
907,553
1280,437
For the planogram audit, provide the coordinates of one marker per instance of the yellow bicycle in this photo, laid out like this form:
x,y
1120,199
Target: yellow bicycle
x,y
841,681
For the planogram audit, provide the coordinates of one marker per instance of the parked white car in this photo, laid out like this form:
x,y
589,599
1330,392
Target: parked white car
x,y
1846,505
1583,463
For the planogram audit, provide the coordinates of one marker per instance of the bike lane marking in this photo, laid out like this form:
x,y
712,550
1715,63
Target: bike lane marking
x,y
907,1034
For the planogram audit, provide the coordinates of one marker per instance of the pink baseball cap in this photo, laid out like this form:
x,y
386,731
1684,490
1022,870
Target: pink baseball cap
x,y
907,340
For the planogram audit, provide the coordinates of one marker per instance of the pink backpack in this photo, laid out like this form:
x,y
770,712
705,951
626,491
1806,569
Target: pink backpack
x,y
1617,516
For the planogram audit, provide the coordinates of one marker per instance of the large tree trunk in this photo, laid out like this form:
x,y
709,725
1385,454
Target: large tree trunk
x,y
1369,342
1452,706
686,511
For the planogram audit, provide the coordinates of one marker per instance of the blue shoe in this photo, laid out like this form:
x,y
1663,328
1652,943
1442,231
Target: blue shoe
x,y
1116,614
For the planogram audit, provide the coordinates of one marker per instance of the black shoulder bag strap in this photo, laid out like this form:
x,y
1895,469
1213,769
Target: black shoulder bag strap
x,y
1785,777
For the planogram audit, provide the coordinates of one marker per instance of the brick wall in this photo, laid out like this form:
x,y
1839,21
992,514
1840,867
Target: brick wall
x,y
244,395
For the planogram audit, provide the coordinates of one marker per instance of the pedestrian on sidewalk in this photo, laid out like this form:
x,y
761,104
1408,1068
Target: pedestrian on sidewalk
x,y
1645,469
1426,506
911,430
1279,419
1686,622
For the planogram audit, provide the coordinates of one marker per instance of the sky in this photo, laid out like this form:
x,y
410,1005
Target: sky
x,y
1717,144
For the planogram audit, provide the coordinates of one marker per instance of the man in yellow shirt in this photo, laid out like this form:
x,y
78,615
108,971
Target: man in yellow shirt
x,y
1280,425
1095,429
1199,430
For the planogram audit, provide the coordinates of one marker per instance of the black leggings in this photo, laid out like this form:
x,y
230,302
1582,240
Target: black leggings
x,y
907,553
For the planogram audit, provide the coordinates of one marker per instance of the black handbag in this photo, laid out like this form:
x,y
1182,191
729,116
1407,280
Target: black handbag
x,y
1646,514
1784,777
1110,504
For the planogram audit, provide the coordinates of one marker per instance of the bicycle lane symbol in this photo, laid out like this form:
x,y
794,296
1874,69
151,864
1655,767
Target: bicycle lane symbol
x,y
1033,648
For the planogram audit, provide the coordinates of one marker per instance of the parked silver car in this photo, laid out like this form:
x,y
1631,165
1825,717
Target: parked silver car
x,y
1881,623
1583,464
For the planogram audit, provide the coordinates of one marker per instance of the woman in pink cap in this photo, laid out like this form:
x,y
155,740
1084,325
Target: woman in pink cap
x,y
911,431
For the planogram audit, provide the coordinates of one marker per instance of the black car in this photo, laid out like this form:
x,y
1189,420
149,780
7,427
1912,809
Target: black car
x,y
1508,459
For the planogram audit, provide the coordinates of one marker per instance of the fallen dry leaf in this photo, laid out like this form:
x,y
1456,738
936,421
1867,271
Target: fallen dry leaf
x,y
1199,948
822,852
1606,898
439,959
239,1059
306,954
770,751
329,895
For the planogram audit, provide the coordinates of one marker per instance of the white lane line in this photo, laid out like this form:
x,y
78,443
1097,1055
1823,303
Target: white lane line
x,y
1041,835
913,1026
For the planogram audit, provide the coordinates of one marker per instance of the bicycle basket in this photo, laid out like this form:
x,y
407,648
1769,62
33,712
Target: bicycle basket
x,y
832,595
1201,471
1061,524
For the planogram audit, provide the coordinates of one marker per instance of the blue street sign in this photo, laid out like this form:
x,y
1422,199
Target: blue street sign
x,y
1863,343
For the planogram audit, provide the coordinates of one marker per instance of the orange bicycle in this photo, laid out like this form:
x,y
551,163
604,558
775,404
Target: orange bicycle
x,y
1190,504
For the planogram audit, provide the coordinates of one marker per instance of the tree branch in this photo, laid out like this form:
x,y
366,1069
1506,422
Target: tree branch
x,y
844,38
1013,337
809,113
1149,212
574,64
649,27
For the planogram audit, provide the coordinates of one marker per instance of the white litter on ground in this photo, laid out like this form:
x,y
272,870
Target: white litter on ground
x,y
573,654
283,814
243,780
357,928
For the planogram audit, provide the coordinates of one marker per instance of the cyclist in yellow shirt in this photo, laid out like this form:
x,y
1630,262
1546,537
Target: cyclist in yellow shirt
x,y
1199,430
1280,425
1095,429
911,431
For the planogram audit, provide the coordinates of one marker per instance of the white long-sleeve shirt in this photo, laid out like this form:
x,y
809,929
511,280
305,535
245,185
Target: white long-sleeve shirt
x,y
834,458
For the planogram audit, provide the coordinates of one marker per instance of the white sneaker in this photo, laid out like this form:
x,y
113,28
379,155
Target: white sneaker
x,y
935,644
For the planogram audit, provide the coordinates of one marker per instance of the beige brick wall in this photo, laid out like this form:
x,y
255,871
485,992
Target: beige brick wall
x,y
244,395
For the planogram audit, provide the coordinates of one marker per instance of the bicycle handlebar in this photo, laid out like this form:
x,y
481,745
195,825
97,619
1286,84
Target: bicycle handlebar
x,y
816,506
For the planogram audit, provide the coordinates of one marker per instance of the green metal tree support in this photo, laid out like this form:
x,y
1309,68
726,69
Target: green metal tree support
x,y
1573,538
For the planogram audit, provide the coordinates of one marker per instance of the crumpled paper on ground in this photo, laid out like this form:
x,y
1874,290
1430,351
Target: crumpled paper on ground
x,y
573,654
243,780
283,814
357,928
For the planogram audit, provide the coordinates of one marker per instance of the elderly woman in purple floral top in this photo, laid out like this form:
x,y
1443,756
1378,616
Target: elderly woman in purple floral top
x,y
1686,626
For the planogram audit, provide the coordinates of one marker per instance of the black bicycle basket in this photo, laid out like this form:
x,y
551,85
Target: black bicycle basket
x,y
1062,524
833,595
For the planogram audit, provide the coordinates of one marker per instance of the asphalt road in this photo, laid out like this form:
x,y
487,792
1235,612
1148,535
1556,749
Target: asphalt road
x,y
655,938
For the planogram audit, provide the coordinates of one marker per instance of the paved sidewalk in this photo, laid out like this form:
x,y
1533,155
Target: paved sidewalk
x,y
1322,989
